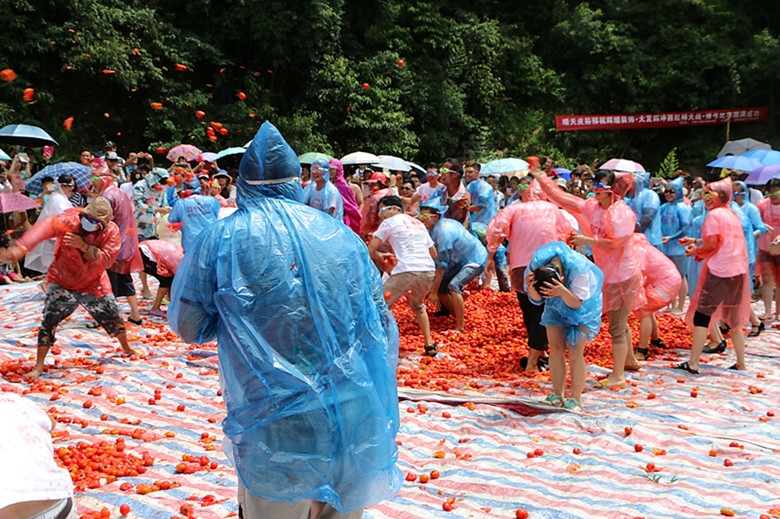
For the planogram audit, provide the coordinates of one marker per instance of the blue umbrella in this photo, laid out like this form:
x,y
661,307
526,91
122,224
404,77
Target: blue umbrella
x,y
739,162
80,173
230,151
503,167
765,157
4,155
563,173
26,135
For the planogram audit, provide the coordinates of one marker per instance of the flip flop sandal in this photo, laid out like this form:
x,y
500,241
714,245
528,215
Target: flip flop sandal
x,y
554,400
687,367
605,383
644,352
573,405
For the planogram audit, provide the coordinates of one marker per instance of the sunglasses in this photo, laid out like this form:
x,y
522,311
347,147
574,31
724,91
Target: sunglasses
x,y
385,208
776,193
669,191
67,185
92,220
709,195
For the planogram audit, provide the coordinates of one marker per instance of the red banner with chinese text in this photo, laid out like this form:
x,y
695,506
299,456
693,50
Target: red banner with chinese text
x,y
660,120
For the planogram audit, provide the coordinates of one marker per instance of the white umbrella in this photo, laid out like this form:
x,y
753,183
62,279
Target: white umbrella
x,y
742,146
392,163
359,157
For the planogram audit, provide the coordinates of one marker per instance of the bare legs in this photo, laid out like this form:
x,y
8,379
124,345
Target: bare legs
x,y
577,366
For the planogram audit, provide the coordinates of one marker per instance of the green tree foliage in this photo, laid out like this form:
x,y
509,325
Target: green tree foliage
x,y
477,79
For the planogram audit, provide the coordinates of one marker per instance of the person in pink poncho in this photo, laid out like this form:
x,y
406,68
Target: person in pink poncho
x,y
129,258
723,291
607,224
352,214
527,226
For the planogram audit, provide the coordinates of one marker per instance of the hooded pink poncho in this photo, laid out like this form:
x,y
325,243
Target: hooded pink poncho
x,y
729,259
352,214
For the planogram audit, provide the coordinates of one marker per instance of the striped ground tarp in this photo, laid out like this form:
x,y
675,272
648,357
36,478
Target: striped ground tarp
x,y
687,427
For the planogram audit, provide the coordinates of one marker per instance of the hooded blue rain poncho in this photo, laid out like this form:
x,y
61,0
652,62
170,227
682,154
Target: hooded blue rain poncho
x,y
195,213
675,218
556,311
751,221
645,204
482,195
307,346
326,199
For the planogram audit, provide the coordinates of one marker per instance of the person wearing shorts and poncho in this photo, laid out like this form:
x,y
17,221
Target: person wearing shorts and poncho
x,y
572,302
723,290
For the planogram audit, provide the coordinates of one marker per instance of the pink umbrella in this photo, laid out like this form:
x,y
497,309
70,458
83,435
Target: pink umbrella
x,y
626,165
12,202
188,151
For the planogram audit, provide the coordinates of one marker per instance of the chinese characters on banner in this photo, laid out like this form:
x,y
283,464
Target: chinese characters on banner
x,y
660,120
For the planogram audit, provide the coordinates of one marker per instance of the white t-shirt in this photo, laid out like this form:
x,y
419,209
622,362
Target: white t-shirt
x,y
424,191
29,472
410,241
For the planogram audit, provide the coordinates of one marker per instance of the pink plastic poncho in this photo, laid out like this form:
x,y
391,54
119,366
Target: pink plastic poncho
x,y
352,216
770,214
614,251
129,259
70,269
661,279
370,221
729,259
528,226
167,255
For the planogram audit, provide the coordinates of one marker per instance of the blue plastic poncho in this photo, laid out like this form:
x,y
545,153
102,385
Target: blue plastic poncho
x,y
645,204
455,246
675,218
556,311
480,231
482,195
752,224
693,267
307,346
196,212
325,199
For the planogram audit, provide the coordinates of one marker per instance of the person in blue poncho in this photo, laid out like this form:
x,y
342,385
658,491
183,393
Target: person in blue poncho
x,y
569,286
483,202
307,346
675,218
645,203
461,259
194,213
321,194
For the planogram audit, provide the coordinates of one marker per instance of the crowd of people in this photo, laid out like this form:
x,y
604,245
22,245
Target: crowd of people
x,y
302,275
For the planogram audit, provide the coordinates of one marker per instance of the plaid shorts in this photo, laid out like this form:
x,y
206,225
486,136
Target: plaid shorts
x,y
61,302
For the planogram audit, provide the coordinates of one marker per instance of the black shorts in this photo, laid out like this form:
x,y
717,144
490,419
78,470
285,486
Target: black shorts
x,y
121,284
150,267
725,292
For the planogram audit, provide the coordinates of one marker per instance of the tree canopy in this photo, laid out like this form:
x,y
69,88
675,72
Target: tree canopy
x,y
420,79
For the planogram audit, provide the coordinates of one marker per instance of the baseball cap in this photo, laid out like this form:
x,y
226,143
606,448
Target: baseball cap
x,y
111,155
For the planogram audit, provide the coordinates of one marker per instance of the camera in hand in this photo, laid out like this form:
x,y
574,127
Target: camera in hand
x,y
545,275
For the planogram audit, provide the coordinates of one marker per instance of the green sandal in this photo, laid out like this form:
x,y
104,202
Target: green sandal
x,y
573,405
554,400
